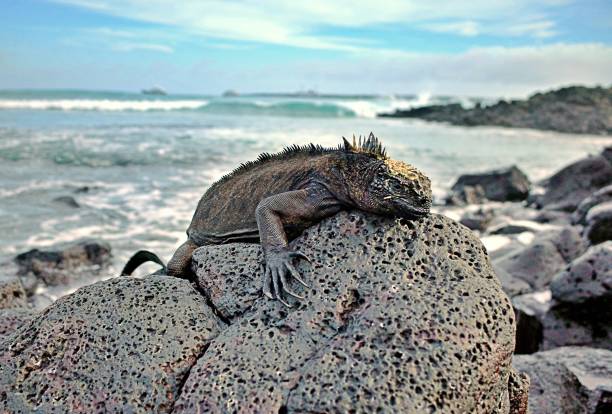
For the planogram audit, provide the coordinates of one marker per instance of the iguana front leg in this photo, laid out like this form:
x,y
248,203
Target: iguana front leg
x,y
293,207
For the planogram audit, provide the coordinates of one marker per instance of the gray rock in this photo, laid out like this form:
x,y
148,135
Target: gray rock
x,y
568,380
62,265
403,316
540,261
508,184
566,189
511,228
599,223
588,279
544,324
122,345
552,217
513,286
12,319
12,293
598,197
478,220
467,195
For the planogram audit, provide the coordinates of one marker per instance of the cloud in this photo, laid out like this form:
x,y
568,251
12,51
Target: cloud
x,y
297,23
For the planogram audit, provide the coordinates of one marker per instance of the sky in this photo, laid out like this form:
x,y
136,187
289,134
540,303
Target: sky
x,y
477,48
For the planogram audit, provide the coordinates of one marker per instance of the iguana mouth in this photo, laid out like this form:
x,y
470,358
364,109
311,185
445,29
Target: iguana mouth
x,y
410,210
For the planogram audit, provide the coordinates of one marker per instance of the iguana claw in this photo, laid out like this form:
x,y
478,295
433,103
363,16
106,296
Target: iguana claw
x,y
278,267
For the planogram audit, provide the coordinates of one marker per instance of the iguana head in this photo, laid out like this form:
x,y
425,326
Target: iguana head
x,y
399,189
387,187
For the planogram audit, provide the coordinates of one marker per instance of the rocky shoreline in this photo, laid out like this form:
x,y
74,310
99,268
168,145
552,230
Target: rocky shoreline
x,y
403,316
574,109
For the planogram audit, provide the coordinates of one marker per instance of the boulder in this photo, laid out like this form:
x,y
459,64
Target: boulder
x,y
568,380
63,265
587,281
12,293
122,345
402,316
544,323
508,184
599,223
598,197
467,195
549,253
515,228
478,220
566,189
552,217
12,319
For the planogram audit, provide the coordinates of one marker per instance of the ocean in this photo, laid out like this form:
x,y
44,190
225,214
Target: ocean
x,y
137,164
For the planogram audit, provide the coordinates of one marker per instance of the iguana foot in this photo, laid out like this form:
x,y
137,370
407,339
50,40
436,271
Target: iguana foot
x,y
275,276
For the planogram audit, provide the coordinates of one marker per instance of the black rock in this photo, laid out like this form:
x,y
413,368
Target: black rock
x,y
508,184
65,264
568,380
68,201
478,220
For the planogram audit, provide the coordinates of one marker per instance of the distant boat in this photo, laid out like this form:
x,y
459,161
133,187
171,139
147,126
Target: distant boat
x,y
230,93
156,90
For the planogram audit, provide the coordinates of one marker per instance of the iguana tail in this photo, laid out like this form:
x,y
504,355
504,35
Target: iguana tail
x,y
140,257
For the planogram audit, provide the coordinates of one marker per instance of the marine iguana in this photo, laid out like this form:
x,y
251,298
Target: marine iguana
x,y
274,198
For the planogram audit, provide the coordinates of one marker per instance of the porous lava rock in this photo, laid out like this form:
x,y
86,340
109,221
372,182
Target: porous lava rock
x,y
587,280
12,293
11,319
402,316
568,380
538,262
508,184
122,345
63,264
567,188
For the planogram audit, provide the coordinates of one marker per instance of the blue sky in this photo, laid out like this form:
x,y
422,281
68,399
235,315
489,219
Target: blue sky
x,y
492,47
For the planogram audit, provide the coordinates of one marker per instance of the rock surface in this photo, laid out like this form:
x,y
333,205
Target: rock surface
x,y
12,319
598,197
567,188
478,220
573,109
598,227
540,261
122,345
588,280
568,380
402,317
12,293
508,184
63,265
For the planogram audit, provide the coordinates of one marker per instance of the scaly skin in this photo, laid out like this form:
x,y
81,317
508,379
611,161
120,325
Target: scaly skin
x,y
272,200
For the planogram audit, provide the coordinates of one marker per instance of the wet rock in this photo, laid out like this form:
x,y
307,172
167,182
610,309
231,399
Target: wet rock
x,y
549,253
599,223
568,380
598,197
12,293
67,201
544,323
478,220
566,189
588,280
12,319
62,265
508,184
122,345
403,316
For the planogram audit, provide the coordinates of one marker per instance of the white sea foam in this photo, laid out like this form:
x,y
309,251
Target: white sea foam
x,y
101,104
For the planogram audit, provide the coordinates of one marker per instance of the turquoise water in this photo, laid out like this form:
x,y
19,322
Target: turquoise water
x,y
146,160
